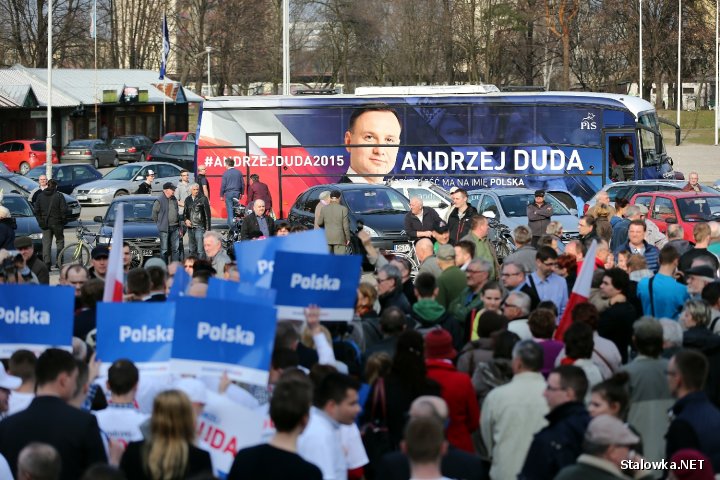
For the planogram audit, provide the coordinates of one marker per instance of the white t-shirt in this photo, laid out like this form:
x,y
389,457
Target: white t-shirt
x,y
5,468
121,423
352,445
321,445
18,402
520,328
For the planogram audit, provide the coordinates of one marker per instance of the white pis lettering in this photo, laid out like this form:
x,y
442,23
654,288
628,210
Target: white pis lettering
x,y
25,317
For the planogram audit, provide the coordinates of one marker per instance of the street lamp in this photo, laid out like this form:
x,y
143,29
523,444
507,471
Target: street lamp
x,y
208,50
640,63
48,140
679,81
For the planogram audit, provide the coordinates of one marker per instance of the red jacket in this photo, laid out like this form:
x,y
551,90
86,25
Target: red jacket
x,y
260,191
458,392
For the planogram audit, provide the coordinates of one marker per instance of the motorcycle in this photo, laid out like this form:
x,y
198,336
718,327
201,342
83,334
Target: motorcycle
x,y
232,234
500,237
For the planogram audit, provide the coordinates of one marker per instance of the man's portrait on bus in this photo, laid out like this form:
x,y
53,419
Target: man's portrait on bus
x,y
373,141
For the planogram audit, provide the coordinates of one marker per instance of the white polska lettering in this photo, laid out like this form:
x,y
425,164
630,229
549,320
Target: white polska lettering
x,y
30,316
265,266
145,334
225,333
314,282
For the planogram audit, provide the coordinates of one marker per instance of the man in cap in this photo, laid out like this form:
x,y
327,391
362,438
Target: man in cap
x,y
334,219
539,215
608,452
24,245
441,234
8,383
197,219
98,262
452,280
697,278
166,215
145,188
457,389
419,221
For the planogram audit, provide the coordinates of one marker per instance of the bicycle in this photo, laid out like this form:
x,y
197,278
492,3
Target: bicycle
x,y
78,252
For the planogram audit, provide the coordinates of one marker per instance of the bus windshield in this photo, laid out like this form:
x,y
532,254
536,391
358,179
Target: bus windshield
x,y
649,139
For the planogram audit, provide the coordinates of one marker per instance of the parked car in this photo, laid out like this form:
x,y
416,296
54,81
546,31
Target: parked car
x,y
25,221
22,155
509,205
138,227
432,195
95,152
124,180
170,136
180,153
132,148
14,183
68,176
380,208
683,208
630,188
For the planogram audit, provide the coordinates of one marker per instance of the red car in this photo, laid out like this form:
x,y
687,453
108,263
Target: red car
x,y
683,208
23,155
172,136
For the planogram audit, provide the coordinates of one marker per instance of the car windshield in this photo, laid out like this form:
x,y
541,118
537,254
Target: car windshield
x,y
516,205
384,200
122,141
35,173
126,172
699,209
133,211
24,182
80,143
172,136
18,206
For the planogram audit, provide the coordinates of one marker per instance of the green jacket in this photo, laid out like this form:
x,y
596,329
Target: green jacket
x,y
485,250
450,283
464,304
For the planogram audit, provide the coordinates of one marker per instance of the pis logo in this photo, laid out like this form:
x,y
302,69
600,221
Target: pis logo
x,y
588,123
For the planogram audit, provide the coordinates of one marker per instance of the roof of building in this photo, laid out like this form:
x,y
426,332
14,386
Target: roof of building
x,y
73,87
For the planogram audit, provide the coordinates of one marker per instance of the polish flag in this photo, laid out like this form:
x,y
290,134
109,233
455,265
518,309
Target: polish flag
x,y
115,272
580,292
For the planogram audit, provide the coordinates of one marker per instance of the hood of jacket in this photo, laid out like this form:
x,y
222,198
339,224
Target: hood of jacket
x,y
428,310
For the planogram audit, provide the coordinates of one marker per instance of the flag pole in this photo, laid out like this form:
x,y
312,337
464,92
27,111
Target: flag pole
x,y
97,124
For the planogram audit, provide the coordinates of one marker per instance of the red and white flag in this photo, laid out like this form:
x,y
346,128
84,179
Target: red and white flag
x,y
580,292
115,272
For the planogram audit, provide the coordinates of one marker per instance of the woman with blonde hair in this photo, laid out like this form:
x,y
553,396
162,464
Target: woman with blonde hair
x,y
169,453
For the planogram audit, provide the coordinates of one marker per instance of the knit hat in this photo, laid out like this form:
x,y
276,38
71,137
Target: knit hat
x,y
700,473
439,344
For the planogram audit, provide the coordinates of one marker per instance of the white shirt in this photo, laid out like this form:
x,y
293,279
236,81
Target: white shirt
x,y
5,468
520,328
18,402
121,423
352,445
321,445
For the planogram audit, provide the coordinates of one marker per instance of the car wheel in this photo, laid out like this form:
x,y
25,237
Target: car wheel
x,y
97,163
116,162
142,157
24,168
120,193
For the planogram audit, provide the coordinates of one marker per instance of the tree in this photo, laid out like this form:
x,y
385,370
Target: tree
x,y
559,17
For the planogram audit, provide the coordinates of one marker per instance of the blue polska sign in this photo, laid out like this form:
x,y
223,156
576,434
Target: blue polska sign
x,y
239,292
328,281
219,336
35,317
256,259
142,332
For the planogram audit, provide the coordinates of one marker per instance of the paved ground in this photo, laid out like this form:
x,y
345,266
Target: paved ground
x,y
704,159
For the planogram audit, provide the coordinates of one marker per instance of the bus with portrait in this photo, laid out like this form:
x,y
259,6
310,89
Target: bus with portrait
x,y
470,137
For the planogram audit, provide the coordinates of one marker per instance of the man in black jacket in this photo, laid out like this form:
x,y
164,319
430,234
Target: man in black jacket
x,y
49,419
166,215
257,224
25,246
197,219
459,220
50,213
419,220
539,215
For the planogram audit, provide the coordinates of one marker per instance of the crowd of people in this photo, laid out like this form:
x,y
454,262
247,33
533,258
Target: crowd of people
x,y
457,372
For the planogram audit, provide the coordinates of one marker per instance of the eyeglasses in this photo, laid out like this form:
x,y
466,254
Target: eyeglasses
x,y
510,305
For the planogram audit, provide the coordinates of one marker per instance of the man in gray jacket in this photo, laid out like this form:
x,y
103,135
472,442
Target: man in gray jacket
x,y
539,215
166,216
334,218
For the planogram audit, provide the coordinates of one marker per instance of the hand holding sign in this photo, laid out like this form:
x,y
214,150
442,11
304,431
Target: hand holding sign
x,y
312,318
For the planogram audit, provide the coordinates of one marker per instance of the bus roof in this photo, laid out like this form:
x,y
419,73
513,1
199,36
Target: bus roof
x,y
633,104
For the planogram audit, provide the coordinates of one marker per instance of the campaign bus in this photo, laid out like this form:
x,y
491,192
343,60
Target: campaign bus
x,y
470,137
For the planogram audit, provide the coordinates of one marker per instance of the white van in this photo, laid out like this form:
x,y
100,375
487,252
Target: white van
x,y
432,195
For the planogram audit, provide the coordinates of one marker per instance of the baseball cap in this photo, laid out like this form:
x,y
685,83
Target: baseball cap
x,y
701,271
169,185
440,226
453,190
608,430
446,252
335,194
193,388
100,251
23,242
539,193
150,172
8,382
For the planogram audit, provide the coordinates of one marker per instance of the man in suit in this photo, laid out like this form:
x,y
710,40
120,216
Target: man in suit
x,y
334,218
455,463
49,419
257,224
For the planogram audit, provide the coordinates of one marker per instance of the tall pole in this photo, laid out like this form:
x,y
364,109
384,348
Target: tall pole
x,y
679,80
97,124
208,50
286,47
48,140
640,62
717,65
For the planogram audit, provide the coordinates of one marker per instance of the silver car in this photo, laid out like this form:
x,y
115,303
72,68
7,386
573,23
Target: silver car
x,y
510,208
93,151
125,180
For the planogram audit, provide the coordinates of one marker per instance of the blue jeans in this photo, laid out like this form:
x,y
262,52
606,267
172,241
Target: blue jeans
x,y
195,235
229,205
170,240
